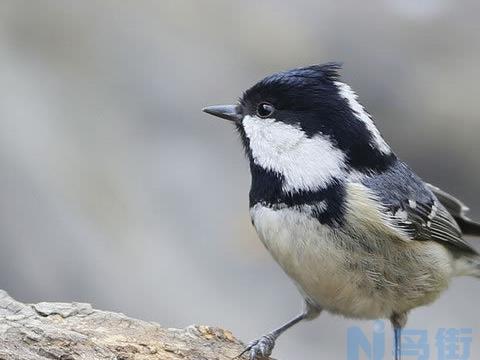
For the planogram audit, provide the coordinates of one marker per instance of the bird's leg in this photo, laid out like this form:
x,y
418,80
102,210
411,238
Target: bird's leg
x,y
398,342
262,347
398,322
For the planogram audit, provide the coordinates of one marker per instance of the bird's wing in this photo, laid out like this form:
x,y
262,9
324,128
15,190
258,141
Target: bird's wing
x,y
458,211
427,220
414,209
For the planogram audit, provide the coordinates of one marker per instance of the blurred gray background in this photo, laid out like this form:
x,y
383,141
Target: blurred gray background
x,y
116,190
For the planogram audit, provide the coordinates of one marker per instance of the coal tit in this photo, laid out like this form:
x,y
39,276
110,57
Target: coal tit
x,y
358,232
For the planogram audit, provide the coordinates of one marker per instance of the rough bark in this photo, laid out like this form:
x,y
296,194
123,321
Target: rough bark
x,y
70,331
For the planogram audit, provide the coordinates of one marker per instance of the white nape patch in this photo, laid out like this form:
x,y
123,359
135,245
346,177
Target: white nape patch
x,y
412,204
348,94
306,163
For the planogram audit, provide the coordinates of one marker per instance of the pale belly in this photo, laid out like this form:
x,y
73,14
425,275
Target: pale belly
x,y
363,277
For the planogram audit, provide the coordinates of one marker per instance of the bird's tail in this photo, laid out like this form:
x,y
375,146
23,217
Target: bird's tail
x,y
468,226
458,210
468,266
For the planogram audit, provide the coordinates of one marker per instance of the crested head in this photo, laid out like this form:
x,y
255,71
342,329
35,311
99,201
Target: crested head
x,y
305,132
296,89
308,126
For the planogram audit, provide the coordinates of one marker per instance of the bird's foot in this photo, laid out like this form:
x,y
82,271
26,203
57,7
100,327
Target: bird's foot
x,y
260,348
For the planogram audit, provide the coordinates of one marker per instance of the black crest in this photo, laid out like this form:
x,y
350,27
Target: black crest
x,y
310,98
294,89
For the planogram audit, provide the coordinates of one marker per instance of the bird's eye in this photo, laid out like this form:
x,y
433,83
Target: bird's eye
x,y
264,109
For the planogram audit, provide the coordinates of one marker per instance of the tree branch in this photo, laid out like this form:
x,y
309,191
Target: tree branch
x,y
73,331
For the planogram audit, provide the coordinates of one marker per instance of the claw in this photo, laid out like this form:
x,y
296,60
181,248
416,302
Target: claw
x,y
260,348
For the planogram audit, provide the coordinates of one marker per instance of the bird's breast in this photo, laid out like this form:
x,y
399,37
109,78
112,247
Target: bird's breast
x,y
358,277
306,250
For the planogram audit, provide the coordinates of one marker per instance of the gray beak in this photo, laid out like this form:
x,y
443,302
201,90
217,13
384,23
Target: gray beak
x,y
229,112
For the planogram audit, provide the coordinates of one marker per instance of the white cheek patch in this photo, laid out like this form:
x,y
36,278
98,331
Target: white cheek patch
x,y
306,163
348,94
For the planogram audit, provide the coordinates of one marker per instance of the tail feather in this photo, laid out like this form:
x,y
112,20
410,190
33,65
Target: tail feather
x,y
458,210
468,226
467,266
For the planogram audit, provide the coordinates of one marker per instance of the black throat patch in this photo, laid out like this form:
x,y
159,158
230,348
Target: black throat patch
x,y
328,204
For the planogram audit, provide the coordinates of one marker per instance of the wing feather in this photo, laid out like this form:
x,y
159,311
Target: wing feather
x,y
429,221
458,210
418,210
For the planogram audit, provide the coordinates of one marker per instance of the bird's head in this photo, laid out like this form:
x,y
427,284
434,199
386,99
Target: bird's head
x,y
307,127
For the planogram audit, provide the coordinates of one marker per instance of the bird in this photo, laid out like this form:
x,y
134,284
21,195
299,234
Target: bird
x,y
353,226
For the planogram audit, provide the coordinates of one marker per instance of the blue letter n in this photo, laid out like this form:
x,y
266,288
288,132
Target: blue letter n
x,y
357,342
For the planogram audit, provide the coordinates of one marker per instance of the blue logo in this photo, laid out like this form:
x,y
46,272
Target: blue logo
x,y
447,344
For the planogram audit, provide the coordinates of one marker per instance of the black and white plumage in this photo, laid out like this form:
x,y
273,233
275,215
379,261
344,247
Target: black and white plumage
x,y
354,227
